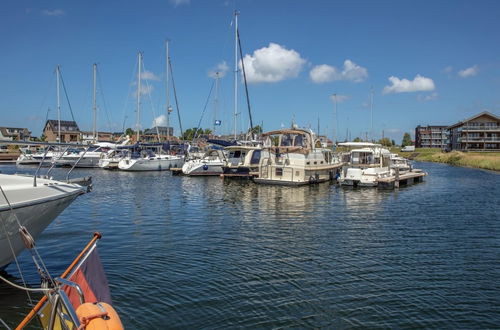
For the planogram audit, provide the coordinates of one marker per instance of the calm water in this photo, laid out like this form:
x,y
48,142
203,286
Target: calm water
x,y
202,253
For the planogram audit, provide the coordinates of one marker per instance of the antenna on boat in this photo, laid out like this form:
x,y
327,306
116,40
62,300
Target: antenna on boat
x,y
236,13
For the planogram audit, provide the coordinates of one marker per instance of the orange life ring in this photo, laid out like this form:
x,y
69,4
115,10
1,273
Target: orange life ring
x,y
98,316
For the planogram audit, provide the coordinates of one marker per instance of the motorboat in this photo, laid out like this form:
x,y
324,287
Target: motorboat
x,y
241,160
366,162
210,164
400,163
295,157
31,202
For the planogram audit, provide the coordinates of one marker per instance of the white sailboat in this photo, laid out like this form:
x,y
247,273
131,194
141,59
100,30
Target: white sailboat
x,y
210,164
154,158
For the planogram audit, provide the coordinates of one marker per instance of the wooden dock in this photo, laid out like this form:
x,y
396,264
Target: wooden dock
x,y
404,178
243,176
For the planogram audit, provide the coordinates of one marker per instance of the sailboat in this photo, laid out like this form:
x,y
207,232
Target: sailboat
x,y
31,202
147,157
91,156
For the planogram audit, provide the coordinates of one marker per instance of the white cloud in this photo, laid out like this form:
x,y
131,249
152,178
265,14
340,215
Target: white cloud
x,y
272,64
469,72
448,69
418,84
351,72
221,68
340,98
177,3
54,12
161,120
148,75
323,73
425,98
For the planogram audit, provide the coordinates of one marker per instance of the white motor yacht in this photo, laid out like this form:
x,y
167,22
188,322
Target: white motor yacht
x,y
366,163
242,160
295,157
32,203
210,164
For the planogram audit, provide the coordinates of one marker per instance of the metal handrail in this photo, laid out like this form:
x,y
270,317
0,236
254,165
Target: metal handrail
x,y
76,163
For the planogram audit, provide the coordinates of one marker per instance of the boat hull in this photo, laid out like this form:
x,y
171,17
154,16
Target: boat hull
x,y
202,169
35,209
146,164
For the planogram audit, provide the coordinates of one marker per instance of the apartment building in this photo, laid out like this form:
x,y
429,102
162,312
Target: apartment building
x,y
478,133
431,136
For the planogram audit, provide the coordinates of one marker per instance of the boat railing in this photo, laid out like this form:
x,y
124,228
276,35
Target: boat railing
x,y
48,145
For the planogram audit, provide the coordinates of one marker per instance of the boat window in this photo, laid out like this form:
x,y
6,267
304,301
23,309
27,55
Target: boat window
x,y
299,141
255,157
279,171
237,154
286,140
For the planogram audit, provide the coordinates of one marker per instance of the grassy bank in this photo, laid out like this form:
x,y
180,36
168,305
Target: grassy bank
x,y
484,160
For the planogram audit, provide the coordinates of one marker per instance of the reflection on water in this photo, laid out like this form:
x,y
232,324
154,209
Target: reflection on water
x,y
194,252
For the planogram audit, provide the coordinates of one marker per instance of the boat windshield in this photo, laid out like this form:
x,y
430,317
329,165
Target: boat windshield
x,y
361,158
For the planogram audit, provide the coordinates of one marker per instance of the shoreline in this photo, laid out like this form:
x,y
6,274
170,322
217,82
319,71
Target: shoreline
x,y
480,160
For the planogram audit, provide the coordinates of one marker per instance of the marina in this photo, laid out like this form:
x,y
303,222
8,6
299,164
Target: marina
x,y
275,256
250,165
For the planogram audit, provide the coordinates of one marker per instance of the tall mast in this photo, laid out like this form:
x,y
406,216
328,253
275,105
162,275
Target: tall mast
x,y
235,69
371,113
94,106
216,100
138,94
167,90
58,73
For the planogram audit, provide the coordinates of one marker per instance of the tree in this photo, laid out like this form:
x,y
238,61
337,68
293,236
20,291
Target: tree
x,y
129,132
393,142
357,139
386,142
406,140
256,130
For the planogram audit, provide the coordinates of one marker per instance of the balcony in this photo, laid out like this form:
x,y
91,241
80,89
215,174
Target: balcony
x,y
479,139
480,128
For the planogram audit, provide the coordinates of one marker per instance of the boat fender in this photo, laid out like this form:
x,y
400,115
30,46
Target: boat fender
x,y
312,179
98,316
205,167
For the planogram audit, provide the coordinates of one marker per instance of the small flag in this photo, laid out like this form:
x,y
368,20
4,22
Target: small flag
x,y
217,122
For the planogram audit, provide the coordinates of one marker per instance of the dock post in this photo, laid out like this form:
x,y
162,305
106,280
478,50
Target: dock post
x,y
396,182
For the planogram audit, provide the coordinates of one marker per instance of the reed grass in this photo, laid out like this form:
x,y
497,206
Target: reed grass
x,y
484,160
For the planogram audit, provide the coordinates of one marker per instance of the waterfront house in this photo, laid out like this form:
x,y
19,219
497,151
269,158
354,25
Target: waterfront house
x,y
69,131
14,133
88,137
431,136
151,134
478,133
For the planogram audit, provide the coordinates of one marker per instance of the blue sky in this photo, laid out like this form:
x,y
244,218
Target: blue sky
x,y
428,62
